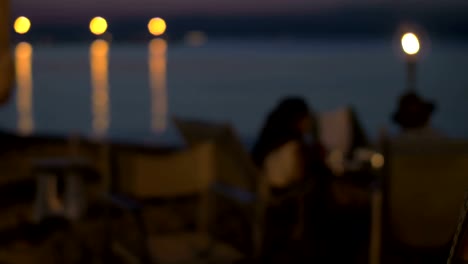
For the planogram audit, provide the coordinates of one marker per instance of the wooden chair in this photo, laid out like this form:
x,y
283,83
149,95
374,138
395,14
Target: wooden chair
x,y
239,185
42,162
415,213
25,158
169,177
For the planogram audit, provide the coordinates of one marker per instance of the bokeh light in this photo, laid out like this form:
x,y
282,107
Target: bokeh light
x,y
23,50
195,38
157,73
410,43
377,161
99,48
24,91
99,62
157,26
158,47
22,25
98,26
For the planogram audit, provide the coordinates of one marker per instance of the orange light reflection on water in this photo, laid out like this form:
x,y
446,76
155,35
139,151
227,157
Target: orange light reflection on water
x,y
157,75
99,53
24,94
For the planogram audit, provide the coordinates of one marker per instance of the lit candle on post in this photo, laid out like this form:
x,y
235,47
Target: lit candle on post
x,y
411,46
157,75
24,82
99,54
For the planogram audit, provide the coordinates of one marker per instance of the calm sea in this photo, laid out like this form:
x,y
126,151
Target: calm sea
x,y
235,81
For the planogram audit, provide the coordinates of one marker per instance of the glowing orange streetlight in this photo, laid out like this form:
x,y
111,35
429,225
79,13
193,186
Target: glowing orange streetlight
x,y
411,46
98,26
22,25
157,26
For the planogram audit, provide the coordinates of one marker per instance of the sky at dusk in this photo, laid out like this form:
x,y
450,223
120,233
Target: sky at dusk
x,y
52,10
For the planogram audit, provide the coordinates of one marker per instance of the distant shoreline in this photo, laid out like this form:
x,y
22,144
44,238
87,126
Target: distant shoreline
x,y
360,23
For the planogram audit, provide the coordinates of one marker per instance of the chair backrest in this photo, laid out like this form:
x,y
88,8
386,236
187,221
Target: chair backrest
x,y
234,167
236,175
424,186
182,173
336,129
185,173
340,130
96,153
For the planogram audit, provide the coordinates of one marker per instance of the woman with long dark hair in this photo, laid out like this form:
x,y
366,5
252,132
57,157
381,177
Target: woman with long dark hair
x,y
291,158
